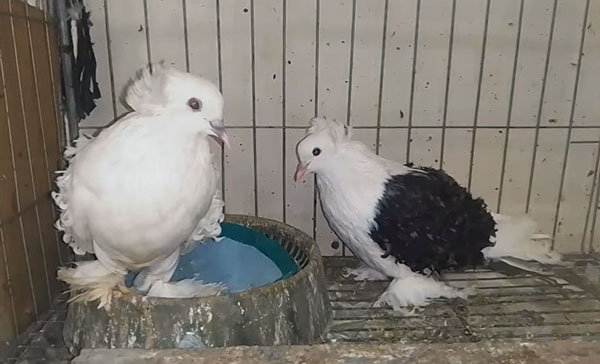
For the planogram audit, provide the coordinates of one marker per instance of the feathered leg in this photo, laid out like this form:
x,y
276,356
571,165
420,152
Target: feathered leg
x,y
154,280
416,290
162,270
94,280
411,289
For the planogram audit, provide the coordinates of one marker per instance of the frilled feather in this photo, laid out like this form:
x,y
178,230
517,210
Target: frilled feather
x,y
401,220
61,198
139,192
209,226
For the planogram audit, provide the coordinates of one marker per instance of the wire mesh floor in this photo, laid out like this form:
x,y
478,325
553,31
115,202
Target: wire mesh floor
x,y
42,342
508,304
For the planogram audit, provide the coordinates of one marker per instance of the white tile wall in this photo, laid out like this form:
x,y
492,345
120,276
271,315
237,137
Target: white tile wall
x,y
485,89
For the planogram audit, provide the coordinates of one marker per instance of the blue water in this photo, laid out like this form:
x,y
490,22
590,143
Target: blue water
x,y
243,259
239,266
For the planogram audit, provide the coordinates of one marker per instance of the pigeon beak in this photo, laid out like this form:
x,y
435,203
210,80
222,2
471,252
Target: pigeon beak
x,y
218,130
301,171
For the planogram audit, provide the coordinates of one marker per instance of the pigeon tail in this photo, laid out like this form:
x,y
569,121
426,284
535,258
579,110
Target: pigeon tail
x,y
517,237
90,281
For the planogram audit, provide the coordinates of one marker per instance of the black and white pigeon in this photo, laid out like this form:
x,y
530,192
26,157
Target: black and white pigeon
x,y
404,222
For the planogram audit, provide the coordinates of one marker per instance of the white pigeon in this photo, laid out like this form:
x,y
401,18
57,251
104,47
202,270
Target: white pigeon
x,y
144,190
405,222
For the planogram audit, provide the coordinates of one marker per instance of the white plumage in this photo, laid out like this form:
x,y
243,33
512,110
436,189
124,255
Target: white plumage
x,y
403,221
140,193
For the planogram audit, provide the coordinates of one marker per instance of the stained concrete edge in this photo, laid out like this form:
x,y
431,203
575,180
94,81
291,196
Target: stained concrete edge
x,y
546,352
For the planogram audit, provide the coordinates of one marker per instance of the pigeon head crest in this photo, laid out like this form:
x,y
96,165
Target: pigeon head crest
x,y
191,102
157,88
317,150
145,92
337,131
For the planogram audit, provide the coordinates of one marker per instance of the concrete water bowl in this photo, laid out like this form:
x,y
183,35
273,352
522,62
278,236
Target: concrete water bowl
x,y
291,311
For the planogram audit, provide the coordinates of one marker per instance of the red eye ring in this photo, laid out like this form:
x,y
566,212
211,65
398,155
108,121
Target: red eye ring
x,y
195,104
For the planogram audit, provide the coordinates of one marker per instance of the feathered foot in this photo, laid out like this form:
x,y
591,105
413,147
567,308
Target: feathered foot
x,y
416,291
186,288
154,281
364,273
160,271
90,281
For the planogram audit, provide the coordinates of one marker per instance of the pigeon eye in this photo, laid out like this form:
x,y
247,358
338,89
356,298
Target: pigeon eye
x,y
195,104
316,151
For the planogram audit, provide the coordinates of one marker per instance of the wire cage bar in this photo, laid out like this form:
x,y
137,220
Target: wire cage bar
x,y
477,88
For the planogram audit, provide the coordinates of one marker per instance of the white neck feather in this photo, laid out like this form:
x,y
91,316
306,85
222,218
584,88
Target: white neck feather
x,y
354,167
351,188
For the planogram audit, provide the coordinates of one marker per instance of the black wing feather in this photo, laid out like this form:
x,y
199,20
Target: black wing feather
x,y
426,220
